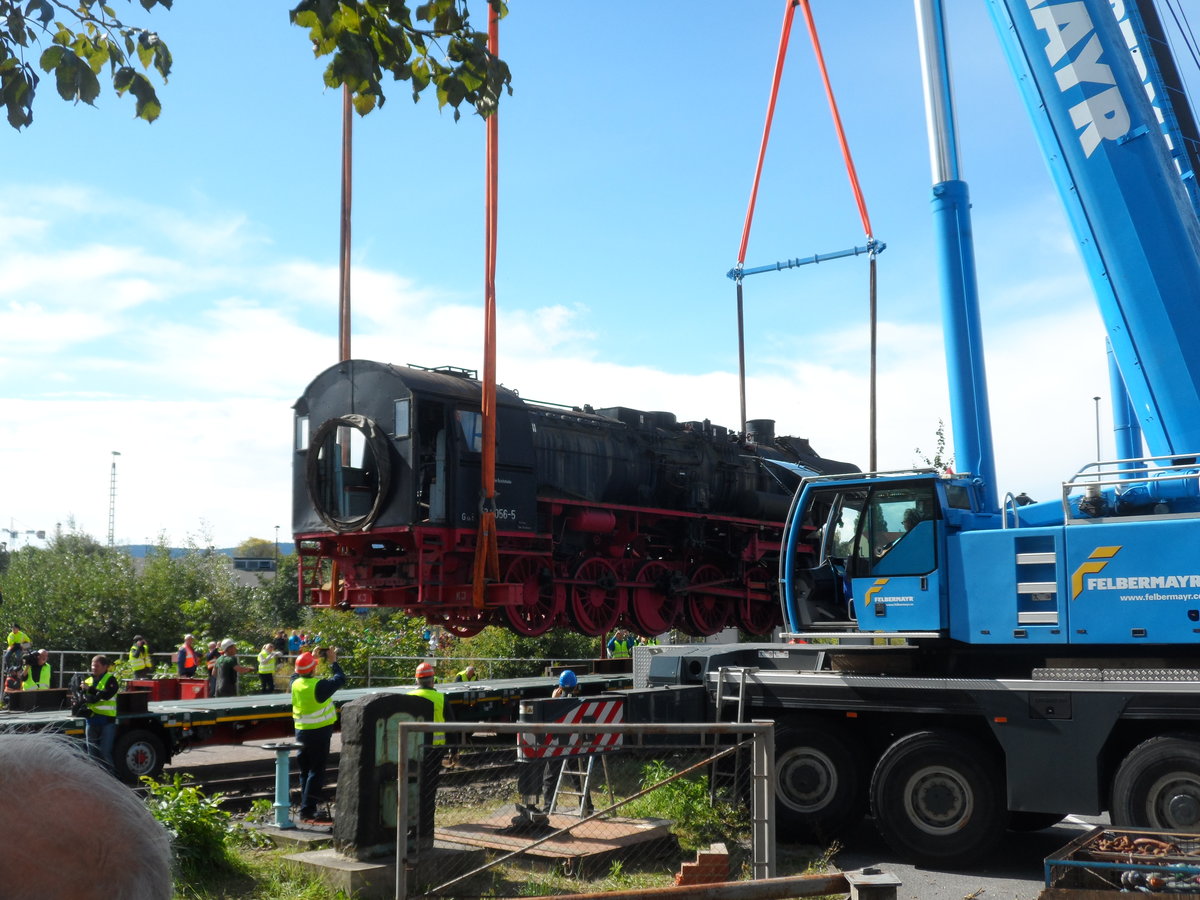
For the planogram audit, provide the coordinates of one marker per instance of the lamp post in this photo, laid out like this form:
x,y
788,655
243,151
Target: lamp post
x,y
112,497
277,548
1097,401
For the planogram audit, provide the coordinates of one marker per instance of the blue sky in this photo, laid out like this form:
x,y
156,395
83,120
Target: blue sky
x,y
168,290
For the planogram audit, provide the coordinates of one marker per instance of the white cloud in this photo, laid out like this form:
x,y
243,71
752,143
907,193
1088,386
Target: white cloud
x,y
195,388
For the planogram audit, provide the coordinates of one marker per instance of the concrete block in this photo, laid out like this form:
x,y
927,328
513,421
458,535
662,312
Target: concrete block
x,y
366,880
365,824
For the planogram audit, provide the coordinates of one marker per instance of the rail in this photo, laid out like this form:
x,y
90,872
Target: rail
x,y
1123,476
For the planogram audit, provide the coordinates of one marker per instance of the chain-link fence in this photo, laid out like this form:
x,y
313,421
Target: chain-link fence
x,y
561,809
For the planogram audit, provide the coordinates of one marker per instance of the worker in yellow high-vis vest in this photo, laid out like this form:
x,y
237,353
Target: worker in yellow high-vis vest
x,y
431,760
139,658
314,716
37,671
268,660
100,691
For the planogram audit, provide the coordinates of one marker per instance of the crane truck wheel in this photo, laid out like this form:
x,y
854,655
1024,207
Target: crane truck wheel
x,y
1158,784
938,798
138,753
820,778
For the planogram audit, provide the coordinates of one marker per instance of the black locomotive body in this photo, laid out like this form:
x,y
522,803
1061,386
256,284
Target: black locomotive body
x,y
603,517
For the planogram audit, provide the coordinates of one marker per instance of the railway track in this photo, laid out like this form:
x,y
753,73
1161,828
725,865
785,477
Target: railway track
x,y
242,782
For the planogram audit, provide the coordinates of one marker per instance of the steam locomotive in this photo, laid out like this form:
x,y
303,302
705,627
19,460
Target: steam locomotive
x,y
605,517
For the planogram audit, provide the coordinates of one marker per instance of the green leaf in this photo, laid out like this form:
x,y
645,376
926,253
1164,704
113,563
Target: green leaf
x,y
148,107
16,92
16,27
364,103
51,57
89,85
45,11
162,60
66,76
145,49
122,79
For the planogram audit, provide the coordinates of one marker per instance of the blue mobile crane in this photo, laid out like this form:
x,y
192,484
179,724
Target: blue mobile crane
x,y
970,664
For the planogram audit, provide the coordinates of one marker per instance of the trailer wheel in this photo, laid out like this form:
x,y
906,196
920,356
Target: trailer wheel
x,y
1158,785
938,798
820,780
138,753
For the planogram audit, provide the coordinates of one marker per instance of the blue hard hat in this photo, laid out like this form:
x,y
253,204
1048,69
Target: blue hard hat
x,y
567,679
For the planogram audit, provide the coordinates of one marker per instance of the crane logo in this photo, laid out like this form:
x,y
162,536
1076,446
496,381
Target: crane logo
x,y
874,589
1102,115
1095,562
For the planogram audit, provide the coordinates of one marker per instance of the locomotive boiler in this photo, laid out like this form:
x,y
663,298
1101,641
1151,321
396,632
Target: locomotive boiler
x,y
604,516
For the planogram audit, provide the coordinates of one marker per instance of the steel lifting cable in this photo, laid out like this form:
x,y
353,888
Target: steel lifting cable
x,y
487,554
860,200
872,247
780,56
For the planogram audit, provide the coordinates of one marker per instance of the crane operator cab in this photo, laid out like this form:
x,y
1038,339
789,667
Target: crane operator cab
x,y
878,543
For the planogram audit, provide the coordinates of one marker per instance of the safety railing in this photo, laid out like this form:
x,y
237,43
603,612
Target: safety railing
x,y
640,813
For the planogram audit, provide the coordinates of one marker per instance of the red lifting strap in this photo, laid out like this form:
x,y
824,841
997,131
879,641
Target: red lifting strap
x,y
788,14
762,148
837,121
487,561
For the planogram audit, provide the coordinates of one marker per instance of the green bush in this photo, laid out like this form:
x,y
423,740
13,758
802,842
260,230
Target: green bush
x,y
524,657
200,829
685,803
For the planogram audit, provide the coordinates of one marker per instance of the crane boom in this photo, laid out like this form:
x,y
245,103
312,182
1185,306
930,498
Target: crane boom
x,y
1127,202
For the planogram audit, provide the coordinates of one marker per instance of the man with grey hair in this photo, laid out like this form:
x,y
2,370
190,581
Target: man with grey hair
x,y
79,857
187,658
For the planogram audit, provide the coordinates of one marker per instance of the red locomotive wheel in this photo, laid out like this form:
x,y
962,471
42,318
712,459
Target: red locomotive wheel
x,y
757,617
595,603
655,601
540,606
705,614
759,612
465,623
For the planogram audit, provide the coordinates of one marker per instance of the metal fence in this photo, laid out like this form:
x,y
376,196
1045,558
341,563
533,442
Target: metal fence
x,y
483,665
560,809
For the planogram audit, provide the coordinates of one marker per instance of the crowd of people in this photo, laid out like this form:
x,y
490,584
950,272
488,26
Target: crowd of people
x,y
311,691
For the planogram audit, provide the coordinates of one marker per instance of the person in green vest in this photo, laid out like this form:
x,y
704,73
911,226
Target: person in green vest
x,y
467,674
620,645
314,716
431,759
268,659
37,671
17,644
100,693
139,658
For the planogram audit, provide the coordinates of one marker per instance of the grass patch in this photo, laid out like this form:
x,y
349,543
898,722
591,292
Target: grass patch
x,y
259,875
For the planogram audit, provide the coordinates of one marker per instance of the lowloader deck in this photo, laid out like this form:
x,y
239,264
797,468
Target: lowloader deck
x,y
150,733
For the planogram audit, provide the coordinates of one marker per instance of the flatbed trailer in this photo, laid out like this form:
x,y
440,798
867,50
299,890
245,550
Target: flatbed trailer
x,y
148,738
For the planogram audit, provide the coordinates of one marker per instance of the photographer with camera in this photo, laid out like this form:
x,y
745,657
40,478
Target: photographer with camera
x,y
314,716
99,692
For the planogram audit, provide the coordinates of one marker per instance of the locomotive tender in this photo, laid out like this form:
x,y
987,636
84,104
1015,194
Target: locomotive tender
x,y
604,516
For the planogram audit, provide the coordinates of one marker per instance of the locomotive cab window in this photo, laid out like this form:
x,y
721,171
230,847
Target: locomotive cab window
x,y
402,417
470,426
301,432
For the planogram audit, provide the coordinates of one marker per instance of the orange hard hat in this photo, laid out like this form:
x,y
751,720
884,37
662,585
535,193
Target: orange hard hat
x,y
424,670
305,663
